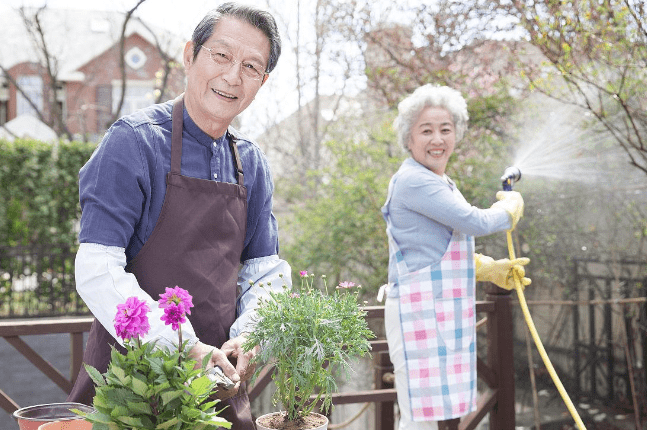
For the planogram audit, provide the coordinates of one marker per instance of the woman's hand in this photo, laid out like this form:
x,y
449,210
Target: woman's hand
x,y
501,272
512,203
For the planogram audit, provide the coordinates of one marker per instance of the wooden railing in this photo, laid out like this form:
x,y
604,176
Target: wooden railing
x,y
497,370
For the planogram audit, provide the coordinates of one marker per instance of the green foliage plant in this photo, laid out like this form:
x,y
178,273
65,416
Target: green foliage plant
x,y
306,334
150,387
40,191
337,228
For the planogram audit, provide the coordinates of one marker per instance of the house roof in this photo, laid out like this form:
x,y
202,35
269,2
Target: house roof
x,y
74,37
27,126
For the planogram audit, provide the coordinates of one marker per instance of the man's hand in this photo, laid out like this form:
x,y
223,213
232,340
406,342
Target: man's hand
x,y
218,358
233,348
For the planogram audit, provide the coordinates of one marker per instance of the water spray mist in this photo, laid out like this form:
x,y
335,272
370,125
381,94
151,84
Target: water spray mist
x,y
510,176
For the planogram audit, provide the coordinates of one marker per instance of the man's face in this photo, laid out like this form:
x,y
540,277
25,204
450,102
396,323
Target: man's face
x,y
216,93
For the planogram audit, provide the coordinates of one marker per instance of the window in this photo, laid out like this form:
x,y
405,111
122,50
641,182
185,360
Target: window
x,y
135,58
32,86
139,94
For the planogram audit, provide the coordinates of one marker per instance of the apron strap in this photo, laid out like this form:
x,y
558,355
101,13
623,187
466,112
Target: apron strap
x,y
238,166
176,142
394,249
176,134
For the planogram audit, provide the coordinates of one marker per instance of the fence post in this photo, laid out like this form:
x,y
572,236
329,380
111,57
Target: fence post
x,y
384,415
500,354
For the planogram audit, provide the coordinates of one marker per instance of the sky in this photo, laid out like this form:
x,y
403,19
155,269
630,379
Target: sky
x,y
164,13
278,96
181,21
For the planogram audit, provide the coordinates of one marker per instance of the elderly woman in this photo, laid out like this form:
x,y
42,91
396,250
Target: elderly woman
x,y
430,306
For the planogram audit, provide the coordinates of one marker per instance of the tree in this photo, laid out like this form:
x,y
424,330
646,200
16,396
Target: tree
x,y
325,39
597,53
122,60
338,231
49,63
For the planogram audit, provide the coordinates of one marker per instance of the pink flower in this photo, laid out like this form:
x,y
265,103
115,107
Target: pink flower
x,y
174,315
177,303
131,319
177,297
303,273
345,285
295,295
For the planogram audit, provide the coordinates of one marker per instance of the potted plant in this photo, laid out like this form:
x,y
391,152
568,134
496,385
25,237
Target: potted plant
x,y
307,334
151,387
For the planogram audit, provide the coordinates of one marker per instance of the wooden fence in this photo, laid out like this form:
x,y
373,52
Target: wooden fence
x,y
496,370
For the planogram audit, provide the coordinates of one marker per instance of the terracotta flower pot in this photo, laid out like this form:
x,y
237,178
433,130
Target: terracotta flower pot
x,y
32,417
275,421
67,425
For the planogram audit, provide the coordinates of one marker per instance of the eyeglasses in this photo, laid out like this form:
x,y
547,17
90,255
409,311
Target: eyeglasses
x,y
250,69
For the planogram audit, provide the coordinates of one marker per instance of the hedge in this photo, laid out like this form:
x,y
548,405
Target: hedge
x,y
40,193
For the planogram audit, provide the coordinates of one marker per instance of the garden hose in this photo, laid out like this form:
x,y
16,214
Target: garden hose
x,y
540,346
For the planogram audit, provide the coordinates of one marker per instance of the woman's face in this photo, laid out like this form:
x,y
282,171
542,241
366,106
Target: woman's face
x,y
433,138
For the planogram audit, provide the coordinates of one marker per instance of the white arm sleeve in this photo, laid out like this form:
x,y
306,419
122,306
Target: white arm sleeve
x,y
103,283
256,271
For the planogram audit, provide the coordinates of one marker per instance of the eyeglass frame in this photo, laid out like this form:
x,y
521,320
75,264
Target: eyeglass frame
x,y
233,62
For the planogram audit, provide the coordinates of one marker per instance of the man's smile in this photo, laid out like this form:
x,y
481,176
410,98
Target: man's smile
x,y
222,94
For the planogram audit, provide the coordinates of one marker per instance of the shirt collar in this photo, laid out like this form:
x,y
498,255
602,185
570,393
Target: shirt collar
x,y
410,162
200,136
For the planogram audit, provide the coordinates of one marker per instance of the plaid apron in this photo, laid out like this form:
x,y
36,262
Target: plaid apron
x,y
437,316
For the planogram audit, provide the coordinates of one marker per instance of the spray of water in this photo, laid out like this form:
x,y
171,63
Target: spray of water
x,y
560,150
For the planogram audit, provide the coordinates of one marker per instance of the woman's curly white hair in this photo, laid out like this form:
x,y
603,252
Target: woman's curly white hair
x,y
425,96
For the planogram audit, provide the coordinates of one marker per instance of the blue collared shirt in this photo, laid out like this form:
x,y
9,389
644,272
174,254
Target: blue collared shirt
x,y
425,211
122,186
122,189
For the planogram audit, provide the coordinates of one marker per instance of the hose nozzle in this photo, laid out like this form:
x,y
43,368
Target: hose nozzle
x,y
510,176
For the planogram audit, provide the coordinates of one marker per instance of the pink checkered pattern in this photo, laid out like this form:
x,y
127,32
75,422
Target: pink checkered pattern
x,y
437,316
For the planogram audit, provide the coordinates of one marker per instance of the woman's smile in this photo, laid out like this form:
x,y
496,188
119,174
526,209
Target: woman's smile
x,y
433,138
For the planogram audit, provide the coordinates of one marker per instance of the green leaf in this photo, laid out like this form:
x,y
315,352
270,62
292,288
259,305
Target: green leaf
x,y
119,411
119,373
139,385
131,421
99,417
220,421
95,375
168,396
139,407
168,424
158,388
206,359
117,395
200,385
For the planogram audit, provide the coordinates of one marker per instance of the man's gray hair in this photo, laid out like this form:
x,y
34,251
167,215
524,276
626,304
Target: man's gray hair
x,y
425,96
259,18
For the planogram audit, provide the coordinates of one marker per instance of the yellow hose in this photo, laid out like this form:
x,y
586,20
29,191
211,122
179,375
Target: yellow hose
x,y
540,346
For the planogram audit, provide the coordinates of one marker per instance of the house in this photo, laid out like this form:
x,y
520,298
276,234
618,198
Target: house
x,y
27,126
83,57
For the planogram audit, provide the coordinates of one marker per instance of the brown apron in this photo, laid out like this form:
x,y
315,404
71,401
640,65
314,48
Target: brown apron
x,y
196,244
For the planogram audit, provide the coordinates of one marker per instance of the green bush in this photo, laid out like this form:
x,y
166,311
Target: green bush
x,y
40,192
39,211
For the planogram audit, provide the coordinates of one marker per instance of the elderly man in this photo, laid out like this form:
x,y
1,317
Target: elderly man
x,y
174,196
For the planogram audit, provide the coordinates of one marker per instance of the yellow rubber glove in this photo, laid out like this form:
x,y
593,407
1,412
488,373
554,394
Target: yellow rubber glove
x,y
512,203
501,272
